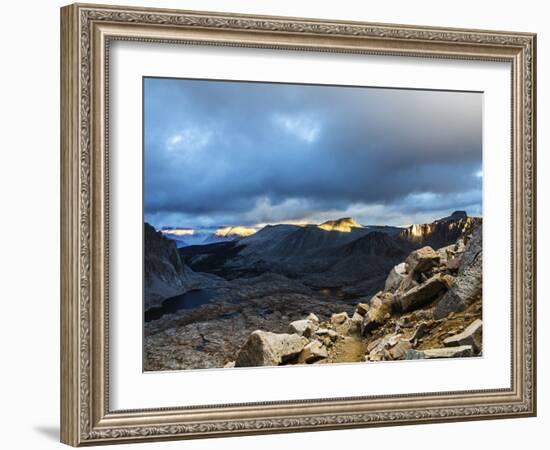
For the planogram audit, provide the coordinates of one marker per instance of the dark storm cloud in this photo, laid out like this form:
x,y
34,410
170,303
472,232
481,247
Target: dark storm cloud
x,y
247,153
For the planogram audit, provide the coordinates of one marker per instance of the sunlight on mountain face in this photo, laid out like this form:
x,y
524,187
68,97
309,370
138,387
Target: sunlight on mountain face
x,y
420,230
179,232
343,225
235,231
457,220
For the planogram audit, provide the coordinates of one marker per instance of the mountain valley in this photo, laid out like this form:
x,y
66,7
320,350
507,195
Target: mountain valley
x,y
264,281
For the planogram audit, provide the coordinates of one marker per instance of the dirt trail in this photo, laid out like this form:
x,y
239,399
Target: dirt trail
x,y
349,349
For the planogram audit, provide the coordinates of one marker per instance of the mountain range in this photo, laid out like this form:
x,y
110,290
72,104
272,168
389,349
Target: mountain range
x,y
337,254
204,304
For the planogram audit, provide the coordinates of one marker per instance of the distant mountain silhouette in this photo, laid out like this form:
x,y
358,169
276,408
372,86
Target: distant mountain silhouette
x,y
338,252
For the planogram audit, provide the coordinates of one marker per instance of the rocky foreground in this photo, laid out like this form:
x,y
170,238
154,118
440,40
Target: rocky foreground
x,y
430,307
211,335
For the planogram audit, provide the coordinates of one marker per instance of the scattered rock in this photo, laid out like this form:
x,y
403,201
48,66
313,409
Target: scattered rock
x,y
449,280
393,339
470,336
460,246
339,318
341,323
373,344
378,354
378,313
395,277
362,308
229,365
421,294
313,318
423,315
356,321
399,350
453,263
445,253
447,352
378,350
264,348
303,327
419,332
422,260
333,335
312,352
409,282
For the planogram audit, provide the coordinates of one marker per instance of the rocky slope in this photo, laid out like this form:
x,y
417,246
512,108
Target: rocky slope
x,y
431,307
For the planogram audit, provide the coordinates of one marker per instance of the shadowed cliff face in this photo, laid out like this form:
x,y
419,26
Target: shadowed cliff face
x,y
165,275
161,257
164,272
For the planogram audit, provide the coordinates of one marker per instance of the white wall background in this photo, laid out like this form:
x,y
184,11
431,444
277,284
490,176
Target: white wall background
x,y
29,222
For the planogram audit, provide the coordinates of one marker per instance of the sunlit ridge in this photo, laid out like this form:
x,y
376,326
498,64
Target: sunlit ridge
x,y
235,231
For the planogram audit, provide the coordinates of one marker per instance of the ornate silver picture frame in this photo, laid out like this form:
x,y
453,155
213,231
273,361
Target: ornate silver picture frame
x,y
87,33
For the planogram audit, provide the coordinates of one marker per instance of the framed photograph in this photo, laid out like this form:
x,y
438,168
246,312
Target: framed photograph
x,y
276,224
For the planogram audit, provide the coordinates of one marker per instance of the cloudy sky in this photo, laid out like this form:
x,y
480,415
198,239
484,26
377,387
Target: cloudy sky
x,y
234,153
